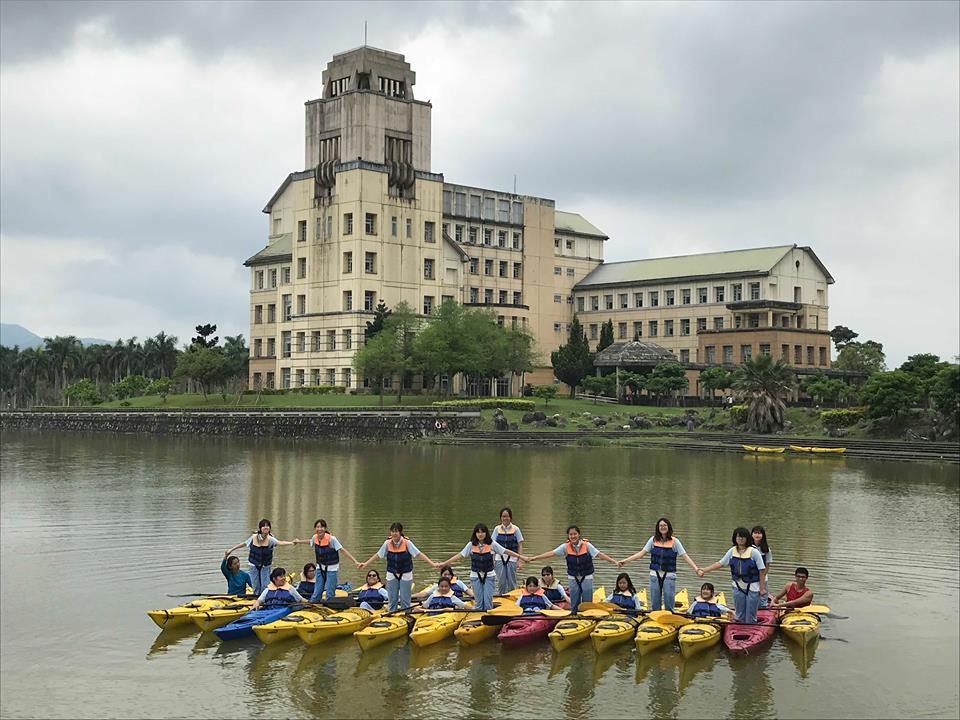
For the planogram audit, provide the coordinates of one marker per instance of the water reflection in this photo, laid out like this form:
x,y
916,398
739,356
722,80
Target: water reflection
x,y
751,691
169,637
701,663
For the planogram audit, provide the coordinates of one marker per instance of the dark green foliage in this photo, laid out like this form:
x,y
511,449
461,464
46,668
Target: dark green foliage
x,y
573,361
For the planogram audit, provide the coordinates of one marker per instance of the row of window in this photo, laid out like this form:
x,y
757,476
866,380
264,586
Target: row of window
x,y
287,308
484,208
557,270
290,343
669,297
810,353
502,296
317,377
324,227
472,234
503,268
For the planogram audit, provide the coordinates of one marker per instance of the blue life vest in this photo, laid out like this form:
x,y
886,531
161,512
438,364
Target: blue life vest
x,y
441,602
663,559
371,596
529,603
456,588
481,560
325,554
277,596
705,609
627,602
744,569
261,557
579,564
508,540
306,588
553,594
399,559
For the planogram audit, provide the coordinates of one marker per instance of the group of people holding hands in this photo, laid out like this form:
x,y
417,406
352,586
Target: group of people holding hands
x,y
494,558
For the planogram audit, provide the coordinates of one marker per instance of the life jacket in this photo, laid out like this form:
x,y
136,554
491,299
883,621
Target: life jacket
x,y
326,555
624,600
481,560
744,569
533,601
508,540
399,559
370,594
579,562
794,594
306,587
705,608
663,558
277,596
455,587
441,602
554,594
261,556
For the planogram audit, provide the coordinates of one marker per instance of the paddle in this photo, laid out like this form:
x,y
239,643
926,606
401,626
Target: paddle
x,y
212,596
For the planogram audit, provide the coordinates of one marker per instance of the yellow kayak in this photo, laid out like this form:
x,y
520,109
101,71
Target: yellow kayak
x,y
801,448
759,449
430,629
800,627
828,451
286,628
472,631
652,634
345,622
612,632
180,615
213,618
383,629
699,636
567,633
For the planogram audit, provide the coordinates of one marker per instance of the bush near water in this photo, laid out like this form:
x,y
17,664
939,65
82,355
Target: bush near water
x,y
489,404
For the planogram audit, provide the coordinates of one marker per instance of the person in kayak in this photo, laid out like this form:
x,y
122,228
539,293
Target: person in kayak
x,y
579,553
399,552
706,605
506,566
261,545
745,563
481,551
308,580
625,595
759,536
327,550
459,588
237,579
664,549
551,586
533,597
795,594
372,595
442,598
277,592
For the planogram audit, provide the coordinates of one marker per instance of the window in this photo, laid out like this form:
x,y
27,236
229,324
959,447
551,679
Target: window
x,y
258,280
594,302
472,236
797,294
518,270
746,352
257,380
668,328
517,297
276,226
369,300
701,295
637,329
638,299
331,376
718,293
302,231
754,291
823,356
348,262
737,290
258,314
487,236
285,377
347,376
318,229
287,306
516,213
428,268
654,299
488,267
270,380
474,295
447,202
820,294
475,206
370,224
409,231
593,331
347,300
503,268
558,298
446,299
301,304
622,301
797,354
474,266
500,320
809,354
753,320
301,268
516,241
728,354
569,244
348,223
503,211
427,304
701,324
428,229
670,298
557,270
608,302
460,203
710,353
718,323
685,297
488,296
571,272
785,321
556,327
285,343
785,353
257,347
621,330
652,328
556,243
684,327
393,233
502,238
271,313
502,297
273,279
329,232
285,275
764,348
580,304
271,347
684,356
488,208
301,342
458,233
315,341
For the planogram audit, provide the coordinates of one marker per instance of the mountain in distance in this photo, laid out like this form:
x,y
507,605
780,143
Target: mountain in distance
x,y
16,335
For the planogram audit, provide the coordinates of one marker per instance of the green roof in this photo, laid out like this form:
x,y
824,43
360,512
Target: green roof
x,y
277,251
574,223
731,262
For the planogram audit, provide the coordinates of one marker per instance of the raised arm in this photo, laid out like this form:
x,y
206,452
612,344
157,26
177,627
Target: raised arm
x,y
452,560
235,547
603,556
636,556
346,552
430,562
709,568
361,566
691,563
541,556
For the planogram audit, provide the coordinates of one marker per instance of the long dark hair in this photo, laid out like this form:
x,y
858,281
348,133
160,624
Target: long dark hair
x,y
656,530
474,540
267,523
630,587
763,546
744,533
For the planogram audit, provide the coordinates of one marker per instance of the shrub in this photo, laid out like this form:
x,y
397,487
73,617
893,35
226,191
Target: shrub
x,y
307,390
546,393
130,386
833,419
738,414
82,392
488,404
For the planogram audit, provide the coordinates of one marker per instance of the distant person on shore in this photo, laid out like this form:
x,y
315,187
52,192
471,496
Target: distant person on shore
x,y
759,535
261,545
327,551
797,593
509,536
664,549
278,592
237,579
399,552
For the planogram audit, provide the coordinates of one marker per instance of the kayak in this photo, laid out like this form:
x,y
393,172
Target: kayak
x,y
243,627
698,636
472,631
652,634
430,629
681,602
208,620
525,630
759,449
383,629
345,622
569,632
180,615
800,627
286,628
615,631
801,448
742,639
828,451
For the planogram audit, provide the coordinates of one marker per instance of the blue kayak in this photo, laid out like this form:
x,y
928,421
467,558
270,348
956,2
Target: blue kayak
x,y
244,626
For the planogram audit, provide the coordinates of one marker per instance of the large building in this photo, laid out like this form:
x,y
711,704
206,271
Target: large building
x,y
368,220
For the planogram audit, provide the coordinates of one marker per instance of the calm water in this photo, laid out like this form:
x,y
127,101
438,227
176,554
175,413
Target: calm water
x,y
96,530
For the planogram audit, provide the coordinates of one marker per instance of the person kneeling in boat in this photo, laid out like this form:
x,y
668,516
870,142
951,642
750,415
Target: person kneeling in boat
x,y
706,605
797,593
552,587
308,580
534,598
372,595
460,589
237,579
278,592
625,596
443,598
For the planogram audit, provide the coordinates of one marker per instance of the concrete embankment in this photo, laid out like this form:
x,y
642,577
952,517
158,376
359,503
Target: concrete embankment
x,y
373,425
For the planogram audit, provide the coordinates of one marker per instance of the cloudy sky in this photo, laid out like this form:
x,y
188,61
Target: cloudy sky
x,y
139,142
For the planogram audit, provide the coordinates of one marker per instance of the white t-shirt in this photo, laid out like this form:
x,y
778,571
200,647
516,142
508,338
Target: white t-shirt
x,y
561,550
467,551
496,533
411,548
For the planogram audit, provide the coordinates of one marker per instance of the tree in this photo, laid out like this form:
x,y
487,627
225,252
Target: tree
x,y
404,323
380,314
666,380
65,354
130,386
160,354
715,378
379,358
161,386
945,393
924,367
573,361
824,389
203,339
238,357
841,335
444,347
763,381
206,366
82,392
606,335
890,394
594,385
866,357
545,393
520,352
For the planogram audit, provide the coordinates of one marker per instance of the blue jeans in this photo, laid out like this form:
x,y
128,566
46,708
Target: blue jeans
x,y
330,586
506,575
259,579
763,599
399,592
582,592
745,604
482,593
664,600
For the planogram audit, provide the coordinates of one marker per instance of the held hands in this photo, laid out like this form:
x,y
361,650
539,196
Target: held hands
x,y
360,565
700,572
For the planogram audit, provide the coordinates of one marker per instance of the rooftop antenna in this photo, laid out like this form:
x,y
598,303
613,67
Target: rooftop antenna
x,y
364,33
514,183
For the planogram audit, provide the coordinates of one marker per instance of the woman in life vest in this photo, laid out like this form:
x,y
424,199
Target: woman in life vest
x,y
625,595
261,545
507,566
534,597
551,586
327,550
372,595
443,597
795,594
277,592
459,588
482,551
706,605
399,552
745,563
663,549
759,536
579,553
308,580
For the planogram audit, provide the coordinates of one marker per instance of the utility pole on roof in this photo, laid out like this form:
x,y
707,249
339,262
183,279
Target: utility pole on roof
x,y
364,33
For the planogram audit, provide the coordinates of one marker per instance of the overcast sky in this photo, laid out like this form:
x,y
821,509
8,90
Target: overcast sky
x,y
140,141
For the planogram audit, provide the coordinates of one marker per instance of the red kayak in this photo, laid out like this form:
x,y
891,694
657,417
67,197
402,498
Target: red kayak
x,y
525,630
744,639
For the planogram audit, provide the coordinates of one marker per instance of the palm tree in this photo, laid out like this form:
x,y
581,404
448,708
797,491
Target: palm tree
x,y
132,356
66,355
235,349
32,363
160,354
764,381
